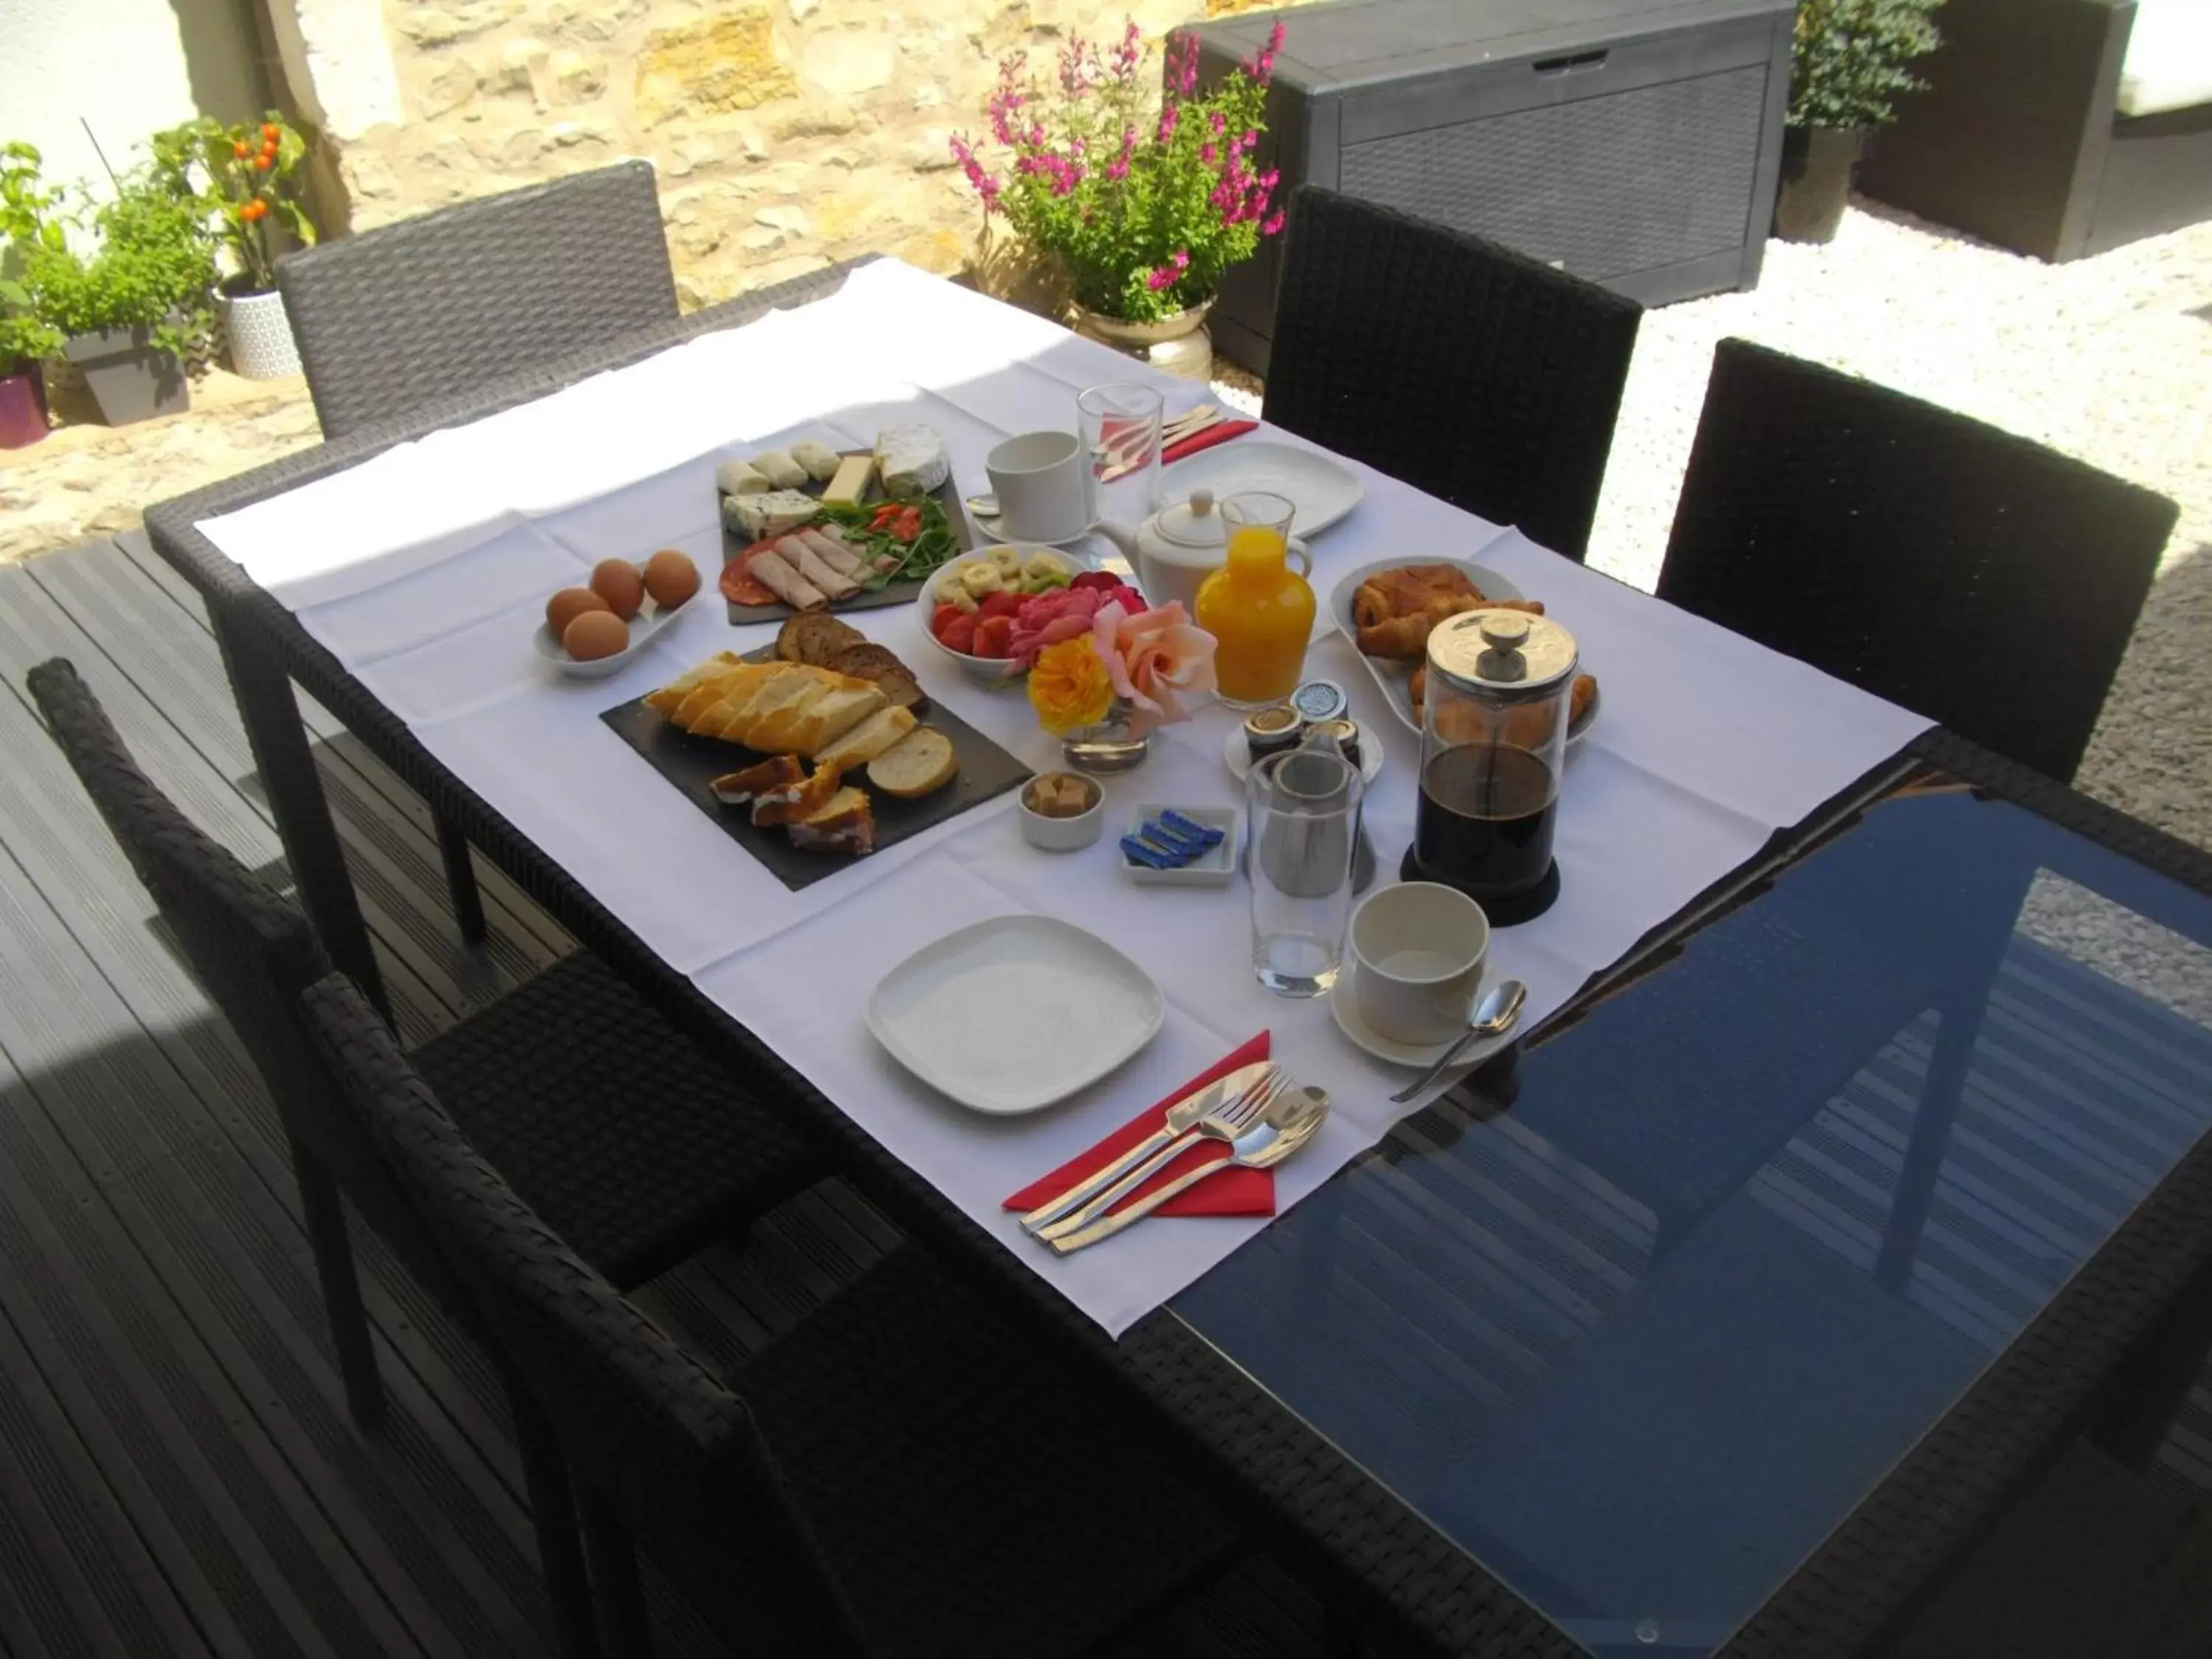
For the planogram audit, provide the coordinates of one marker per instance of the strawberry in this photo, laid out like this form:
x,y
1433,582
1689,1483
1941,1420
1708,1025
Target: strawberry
x,y
1000,604
940,616
994,635
959,634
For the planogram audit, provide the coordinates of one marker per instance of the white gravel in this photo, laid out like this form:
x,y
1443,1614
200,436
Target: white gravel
x,y
2108,359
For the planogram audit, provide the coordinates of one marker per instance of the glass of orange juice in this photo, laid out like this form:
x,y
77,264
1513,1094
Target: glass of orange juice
x,y
1260,611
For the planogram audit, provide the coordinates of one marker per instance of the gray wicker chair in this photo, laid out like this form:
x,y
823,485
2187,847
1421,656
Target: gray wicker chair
x,y
889,1477
1974,577
396,317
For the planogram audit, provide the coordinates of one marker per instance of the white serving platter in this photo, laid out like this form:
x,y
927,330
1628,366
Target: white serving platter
x,y
1390,675
1321,488
644,627
1013,1014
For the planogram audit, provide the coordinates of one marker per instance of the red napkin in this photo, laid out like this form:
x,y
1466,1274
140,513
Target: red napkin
x,y
1233,1192
1205,438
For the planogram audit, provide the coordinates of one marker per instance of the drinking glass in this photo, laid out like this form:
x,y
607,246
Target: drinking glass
x,y
1302,822
1120,426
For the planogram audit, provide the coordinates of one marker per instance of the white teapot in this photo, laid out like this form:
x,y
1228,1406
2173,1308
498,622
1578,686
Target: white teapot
x,y
1178,548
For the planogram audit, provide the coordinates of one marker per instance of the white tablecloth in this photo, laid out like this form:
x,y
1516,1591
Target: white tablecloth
x,y
425,571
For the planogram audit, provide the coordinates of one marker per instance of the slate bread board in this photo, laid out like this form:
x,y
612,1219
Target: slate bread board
x,y
948,497
692,763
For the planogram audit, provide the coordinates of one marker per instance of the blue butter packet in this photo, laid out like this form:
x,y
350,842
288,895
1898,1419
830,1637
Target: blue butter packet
x,y
1174,839
1144,853
1188,829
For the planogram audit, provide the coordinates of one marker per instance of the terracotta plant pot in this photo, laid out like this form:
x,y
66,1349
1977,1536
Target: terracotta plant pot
x,y
1179,344
260,336
129,378
1818,166
22,404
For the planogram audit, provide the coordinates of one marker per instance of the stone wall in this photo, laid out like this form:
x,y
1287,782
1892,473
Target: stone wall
x,y
786,133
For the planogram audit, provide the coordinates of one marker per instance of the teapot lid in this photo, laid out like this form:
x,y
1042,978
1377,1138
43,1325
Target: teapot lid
x,y
1193,523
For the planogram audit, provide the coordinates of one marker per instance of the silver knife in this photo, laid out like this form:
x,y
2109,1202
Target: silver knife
x,y
1181,1116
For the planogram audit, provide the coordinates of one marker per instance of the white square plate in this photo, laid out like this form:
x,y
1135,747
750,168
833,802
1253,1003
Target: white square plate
x,y
1012,1014
1216,868
1322,489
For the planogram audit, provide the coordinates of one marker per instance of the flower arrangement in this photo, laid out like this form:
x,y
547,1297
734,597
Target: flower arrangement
x,y
1143,205
250,172
1146,662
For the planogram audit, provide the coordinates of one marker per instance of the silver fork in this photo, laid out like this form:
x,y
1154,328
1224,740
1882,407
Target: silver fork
x,y
1225,1123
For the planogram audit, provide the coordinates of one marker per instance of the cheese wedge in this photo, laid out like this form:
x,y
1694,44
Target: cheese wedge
x,y
850,483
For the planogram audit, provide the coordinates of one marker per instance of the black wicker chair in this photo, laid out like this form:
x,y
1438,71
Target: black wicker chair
x,y
1461,367
593,1105
1970,575
413,313
899,1474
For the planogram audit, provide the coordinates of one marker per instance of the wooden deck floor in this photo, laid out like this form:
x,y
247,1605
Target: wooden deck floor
x,y
177,1475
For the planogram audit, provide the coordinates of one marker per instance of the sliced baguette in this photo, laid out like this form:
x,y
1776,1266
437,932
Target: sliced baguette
x,y
843,824
788,803
775,731
838,712
674,692
919,763
869,738
742,788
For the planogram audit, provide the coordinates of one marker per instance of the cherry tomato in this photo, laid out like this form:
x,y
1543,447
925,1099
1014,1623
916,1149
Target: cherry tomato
x,y
884,514
270,132
241,149
908,524
262,162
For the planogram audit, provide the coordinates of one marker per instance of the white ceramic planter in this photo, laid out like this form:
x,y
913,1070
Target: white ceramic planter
x,y
260,335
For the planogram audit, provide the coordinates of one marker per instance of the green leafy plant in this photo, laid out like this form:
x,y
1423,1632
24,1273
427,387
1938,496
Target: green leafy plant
x,y
243,177
154,269
25,337
30,212
1849,59
1144,202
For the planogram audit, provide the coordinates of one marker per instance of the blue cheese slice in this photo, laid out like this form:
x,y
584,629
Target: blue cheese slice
x,y
758,517
913,459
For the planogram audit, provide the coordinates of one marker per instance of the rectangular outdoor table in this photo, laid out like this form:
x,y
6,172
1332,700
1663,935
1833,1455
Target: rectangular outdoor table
x,y
1725,1313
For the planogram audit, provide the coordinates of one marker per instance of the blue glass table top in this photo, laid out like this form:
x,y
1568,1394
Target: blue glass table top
x,y
1638,1323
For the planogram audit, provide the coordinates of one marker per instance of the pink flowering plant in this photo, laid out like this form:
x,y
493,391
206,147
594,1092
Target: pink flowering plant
x,y
1143,196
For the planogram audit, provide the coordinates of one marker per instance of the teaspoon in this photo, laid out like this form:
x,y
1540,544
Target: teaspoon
x,y
1493,1016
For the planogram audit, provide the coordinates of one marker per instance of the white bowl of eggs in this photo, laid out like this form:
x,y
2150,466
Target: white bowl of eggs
x,y
592,632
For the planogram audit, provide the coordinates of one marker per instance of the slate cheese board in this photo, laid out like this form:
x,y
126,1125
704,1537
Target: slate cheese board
x,y
902,592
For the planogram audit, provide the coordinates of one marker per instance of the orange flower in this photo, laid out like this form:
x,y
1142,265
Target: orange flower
x,y
1070,688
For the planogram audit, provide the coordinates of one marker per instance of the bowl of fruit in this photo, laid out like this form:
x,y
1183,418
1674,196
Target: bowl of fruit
x,y
995,609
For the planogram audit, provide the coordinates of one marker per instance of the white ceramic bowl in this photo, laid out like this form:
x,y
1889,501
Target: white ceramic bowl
x,y
990,669
1063,834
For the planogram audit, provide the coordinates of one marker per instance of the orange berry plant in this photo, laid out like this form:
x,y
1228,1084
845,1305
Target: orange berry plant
x,y
251,178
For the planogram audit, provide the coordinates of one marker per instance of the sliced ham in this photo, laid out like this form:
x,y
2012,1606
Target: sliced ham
x,y
767,566
809,566
838,556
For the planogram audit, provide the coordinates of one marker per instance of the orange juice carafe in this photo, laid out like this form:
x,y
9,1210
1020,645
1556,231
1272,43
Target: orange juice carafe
x,y
1260,611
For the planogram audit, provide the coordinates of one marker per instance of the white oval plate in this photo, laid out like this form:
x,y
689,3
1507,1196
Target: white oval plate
x,y
1011,1015
1321,488
1237,754
1390,675
643,628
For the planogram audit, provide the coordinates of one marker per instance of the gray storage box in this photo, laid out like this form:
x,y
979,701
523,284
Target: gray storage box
x,y
1634,143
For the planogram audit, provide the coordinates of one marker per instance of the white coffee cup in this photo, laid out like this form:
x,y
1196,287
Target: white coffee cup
x,y
1417,956
1038,479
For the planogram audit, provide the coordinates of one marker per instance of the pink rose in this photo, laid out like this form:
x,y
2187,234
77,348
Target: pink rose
x,y
1151,657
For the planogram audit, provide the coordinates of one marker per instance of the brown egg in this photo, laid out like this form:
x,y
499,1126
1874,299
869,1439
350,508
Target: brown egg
x,y
670,578
567,605
617,581
594,634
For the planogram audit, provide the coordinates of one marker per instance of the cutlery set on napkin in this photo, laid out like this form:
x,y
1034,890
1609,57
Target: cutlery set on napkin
x,y
1208,1150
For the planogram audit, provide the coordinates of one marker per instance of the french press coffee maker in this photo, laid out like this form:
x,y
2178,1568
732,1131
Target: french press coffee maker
x,y
1493,746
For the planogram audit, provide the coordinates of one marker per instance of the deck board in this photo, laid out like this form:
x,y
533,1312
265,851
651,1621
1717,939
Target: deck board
x,y
178,1474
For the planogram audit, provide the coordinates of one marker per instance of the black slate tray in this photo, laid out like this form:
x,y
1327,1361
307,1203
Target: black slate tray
x,y
890,593
692,763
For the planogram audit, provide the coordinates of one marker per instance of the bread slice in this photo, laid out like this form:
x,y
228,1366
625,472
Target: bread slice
x,y
880,663
788,803
775,730
843,824
815,636
844,707
869,738
919,763
674,692
742,788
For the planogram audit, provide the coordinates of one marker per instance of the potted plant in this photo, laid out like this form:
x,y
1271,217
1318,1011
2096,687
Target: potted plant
x,y
250,194
131,312
1848,65
26,208
1141,203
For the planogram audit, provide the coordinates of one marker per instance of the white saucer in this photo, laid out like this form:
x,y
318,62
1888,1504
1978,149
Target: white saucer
x,y
1237,754
1366,1036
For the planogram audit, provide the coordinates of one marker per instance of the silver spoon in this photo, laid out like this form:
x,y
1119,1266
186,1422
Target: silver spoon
x,y
1285,1126
1493,1016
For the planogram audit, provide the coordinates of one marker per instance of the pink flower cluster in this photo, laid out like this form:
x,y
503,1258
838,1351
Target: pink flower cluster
x,y
1048,618
1183,64
1169,274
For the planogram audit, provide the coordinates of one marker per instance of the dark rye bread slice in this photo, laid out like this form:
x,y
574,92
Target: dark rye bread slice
x,y
814,637
870,661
